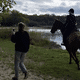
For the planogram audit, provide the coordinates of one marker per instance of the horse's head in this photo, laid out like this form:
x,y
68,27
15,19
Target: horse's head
x,y
57,25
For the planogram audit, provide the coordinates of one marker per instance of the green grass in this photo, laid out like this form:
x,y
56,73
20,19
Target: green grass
x,y
55,62
37,40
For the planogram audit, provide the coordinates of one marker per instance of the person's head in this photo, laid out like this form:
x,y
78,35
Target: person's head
x,y
71,11
21,26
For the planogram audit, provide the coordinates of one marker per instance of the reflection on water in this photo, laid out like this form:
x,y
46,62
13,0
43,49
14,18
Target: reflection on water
x,y
40,30
56,37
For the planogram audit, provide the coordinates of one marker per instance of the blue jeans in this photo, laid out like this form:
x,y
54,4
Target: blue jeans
x,y
19,59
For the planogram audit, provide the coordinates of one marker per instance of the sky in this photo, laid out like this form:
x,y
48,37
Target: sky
x,y
41,7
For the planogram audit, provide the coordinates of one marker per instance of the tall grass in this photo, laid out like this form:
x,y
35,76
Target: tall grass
x,y
35,38
5,33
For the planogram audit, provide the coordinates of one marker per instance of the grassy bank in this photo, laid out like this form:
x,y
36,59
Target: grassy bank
x,y
44,61
47,62
35,38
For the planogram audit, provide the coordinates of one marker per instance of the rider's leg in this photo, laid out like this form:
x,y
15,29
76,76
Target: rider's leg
x,y
64,39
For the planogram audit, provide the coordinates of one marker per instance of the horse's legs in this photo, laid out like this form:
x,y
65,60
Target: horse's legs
x,y
71,55
74,58
77,61
70,60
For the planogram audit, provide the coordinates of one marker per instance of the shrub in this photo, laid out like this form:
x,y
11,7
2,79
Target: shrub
x,y
5,33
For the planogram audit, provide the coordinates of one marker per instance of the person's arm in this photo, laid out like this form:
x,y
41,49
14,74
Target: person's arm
x,y
28,38
13,36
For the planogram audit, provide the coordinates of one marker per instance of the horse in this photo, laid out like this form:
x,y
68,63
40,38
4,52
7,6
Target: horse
x,y
72,41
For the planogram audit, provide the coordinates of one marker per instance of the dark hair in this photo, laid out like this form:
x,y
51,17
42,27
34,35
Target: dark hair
x,y
71,10
21,24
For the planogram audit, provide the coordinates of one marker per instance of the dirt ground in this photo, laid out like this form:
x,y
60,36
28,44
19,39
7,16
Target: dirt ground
x,y
6,73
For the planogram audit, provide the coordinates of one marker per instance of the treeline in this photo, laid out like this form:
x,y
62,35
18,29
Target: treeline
x,y
48,20
14,17
44,20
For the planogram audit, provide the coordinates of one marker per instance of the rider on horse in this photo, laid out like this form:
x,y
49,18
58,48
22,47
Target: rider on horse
x,y
69,25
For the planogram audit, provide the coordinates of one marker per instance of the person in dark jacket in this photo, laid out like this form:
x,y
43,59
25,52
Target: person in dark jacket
x,y
22,42
69,25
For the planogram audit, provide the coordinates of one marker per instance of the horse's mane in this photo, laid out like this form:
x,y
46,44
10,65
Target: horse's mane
x,y
61,25
58,21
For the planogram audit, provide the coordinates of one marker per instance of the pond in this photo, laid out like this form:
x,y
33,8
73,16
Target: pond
x,y
56,37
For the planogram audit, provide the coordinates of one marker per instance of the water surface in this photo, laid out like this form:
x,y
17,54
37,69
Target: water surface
x,y
56,37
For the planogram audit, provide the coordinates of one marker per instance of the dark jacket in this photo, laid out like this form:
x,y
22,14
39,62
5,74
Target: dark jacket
x,y
70,23
69,26
21,40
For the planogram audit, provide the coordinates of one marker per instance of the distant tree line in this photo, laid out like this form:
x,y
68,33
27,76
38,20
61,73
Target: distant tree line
x,y
44,20
48,20
13,17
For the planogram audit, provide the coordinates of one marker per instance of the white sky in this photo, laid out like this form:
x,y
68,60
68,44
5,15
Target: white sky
x,y
57,7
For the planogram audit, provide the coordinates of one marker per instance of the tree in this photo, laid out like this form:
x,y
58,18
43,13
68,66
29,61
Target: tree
x,y
18,17
5,5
